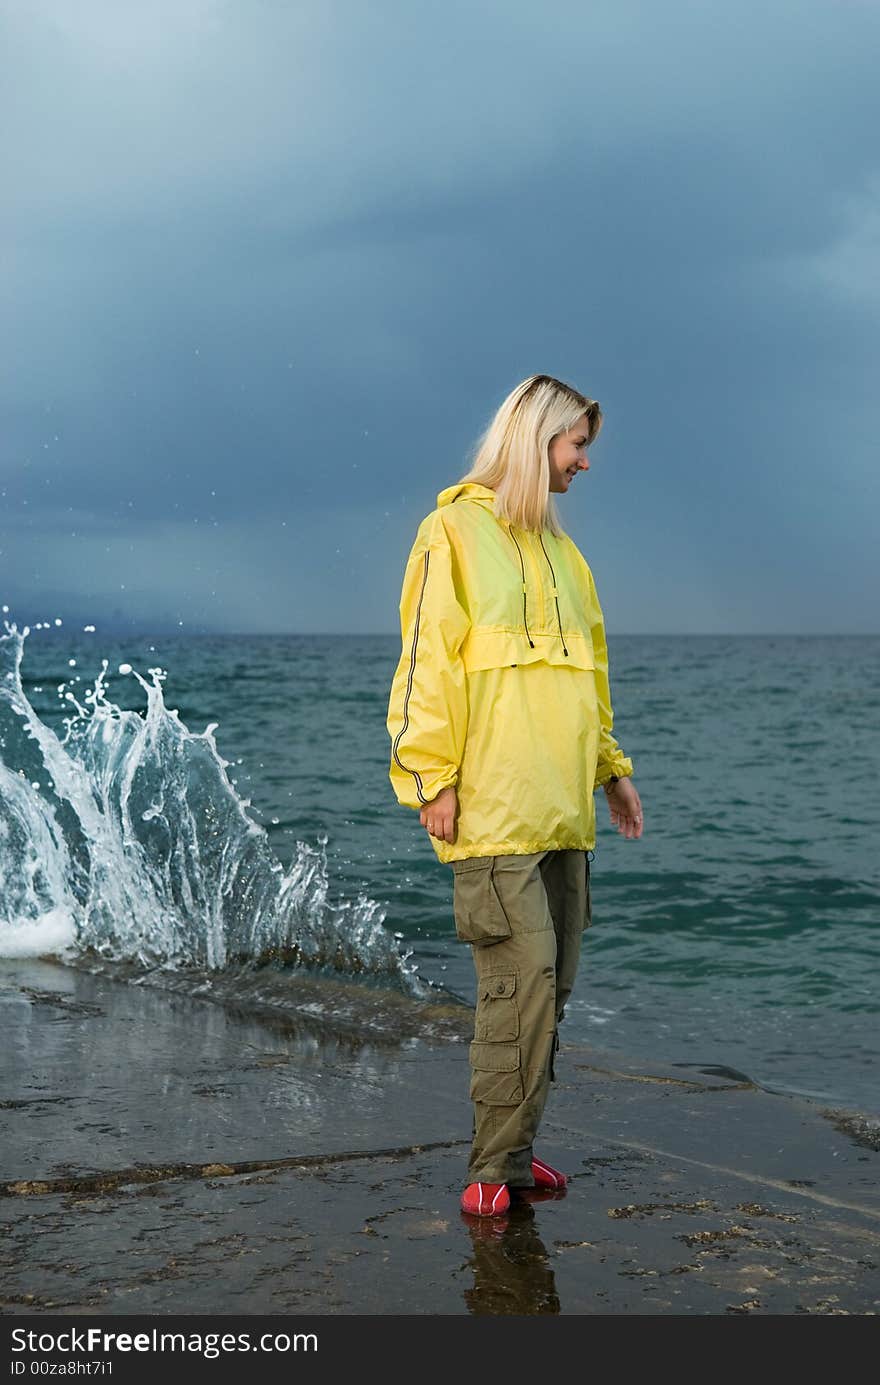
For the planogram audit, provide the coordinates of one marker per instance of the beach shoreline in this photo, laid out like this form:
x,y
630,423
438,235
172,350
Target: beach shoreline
x,y
167,1155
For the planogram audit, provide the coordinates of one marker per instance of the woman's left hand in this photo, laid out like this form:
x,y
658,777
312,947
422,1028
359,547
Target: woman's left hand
x,y
625,807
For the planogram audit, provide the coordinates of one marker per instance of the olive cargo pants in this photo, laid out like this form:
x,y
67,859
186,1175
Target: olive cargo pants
x,y
524,917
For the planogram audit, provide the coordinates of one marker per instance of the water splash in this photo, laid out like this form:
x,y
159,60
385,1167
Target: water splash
x,y
126,838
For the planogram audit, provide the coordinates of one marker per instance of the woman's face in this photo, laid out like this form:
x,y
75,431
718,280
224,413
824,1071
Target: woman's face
x,y
568,455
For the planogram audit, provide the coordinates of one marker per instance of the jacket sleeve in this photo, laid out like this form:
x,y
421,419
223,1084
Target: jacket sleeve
x,y
611,758
428,708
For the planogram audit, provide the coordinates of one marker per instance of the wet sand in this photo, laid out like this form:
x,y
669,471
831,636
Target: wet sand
x,y
171,1154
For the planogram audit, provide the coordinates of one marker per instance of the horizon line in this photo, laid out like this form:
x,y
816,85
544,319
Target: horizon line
x,y
203,633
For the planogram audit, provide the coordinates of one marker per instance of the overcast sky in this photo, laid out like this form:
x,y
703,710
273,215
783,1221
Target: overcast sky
x,y
270,266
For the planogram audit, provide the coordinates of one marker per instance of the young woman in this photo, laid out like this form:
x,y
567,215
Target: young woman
x,y
500,720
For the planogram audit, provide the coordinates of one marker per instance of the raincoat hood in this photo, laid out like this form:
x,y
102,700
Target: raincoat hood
x,y
466,490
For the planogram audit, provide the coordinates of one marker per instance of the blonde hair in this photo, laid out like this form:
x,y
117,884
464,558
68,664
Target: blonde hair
x,y
512,457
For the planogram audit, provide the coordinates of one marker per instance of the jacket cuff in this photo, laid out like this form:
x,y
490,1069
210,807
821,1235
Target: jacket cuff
x,y
416,788
434,783
621,765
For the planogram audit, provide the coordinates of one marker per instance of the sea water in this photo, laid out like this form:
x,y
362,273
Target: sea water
x,y
198,801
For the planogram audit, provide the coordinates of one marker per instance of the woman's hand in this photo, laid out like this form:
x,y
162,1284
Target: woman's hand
x,y
625,806
439,815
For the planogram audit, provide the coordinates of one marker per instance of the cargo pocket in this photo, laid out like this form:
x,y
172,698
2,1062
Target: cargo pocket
x,y
496,1079
479,913
497,1017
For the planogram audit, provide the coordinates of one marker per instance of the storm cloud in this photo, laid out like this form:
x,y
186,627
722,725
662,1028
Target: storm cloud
x,y
269,268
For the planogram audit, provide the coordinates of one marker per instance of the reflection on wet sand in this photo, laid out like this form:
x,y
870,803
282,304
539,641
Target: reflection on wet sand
x,y
510,1264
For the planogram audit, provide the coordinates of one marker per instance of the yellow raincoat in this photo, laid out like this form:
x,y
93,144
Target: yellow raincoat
x,y
502,684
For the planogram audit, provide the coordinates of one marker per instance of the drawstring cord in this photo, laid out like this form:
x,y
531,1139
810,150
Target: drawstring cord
x,y
524,589
555,595
523,566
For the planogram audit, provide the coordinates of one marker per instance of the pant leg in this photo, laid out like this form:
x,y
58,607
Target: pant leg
x,y
567,879
504,898
567,882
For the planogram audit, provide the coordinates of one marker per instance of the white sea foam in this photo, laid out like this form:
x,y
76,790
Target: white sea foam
x,y
52,934
129,831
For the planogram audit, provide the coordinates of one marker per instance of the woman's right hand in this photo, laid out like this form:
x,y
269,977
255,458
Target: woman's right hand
x,y
439,815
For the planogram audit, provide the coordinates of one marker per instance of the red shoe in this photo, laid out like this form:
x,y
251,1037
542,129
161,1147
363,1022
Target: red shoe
x,y
486,1199
545,1177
